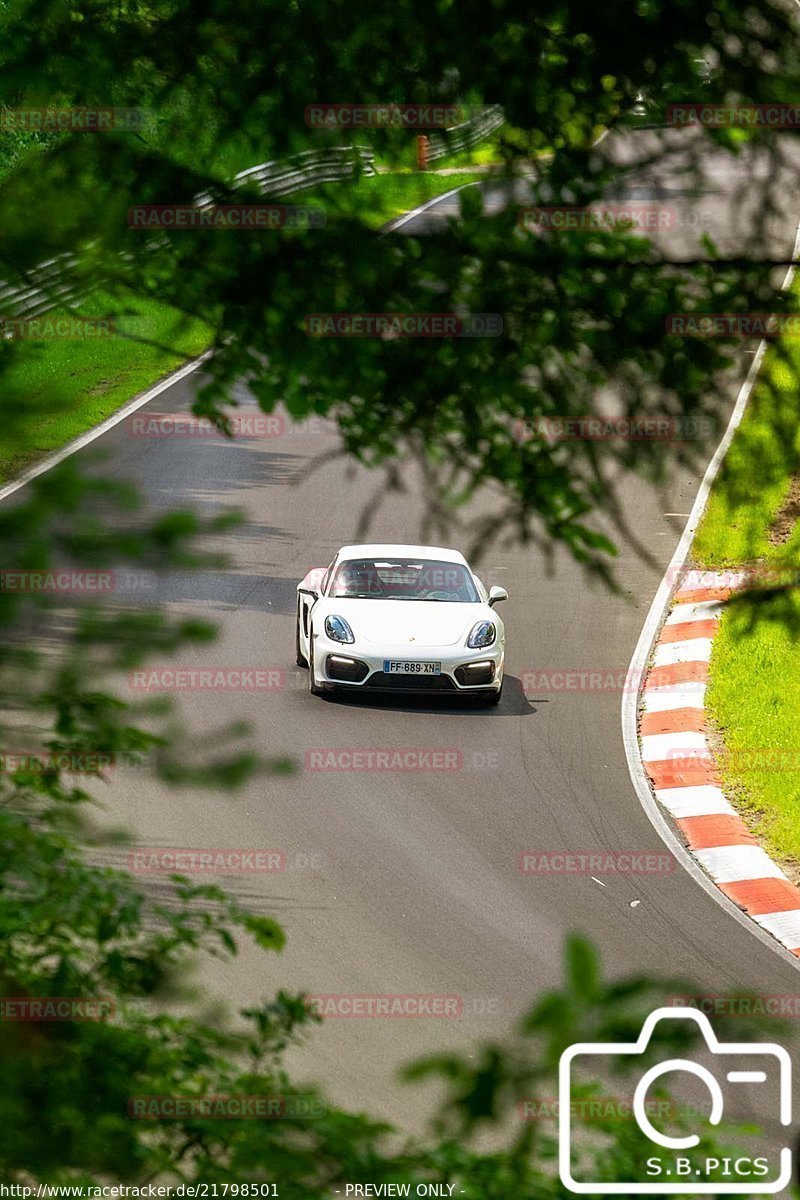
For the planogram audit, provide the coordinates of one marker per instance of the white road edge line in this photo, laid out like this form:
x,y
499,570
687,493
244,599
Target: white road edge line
x,y
85,439
641,655
397,222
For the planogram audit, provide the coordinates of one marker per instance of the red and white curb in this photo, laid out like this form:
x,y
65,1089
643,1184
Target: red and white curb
x,y
680,763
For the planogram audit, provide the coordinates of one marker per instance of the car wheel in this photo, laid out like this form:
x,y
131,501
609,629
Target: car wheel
x,y
313,688
492,699
300,658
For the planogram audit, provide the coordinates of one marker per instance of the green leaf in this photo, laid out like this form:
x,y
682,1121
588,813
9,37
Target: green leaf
x,y
267,933
582,969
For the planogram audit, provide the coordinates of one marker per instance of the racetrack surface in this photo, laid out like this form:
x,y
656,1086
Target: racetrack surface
x,y
418,887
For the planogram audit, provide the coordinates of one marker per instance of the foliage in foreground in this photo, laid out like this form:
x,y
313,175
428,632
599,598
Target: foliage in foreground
x,y
582,312
579,312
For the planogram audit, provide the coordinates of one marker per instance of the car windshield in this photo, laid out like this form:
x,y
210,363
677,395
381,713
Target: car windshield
x,y
404,579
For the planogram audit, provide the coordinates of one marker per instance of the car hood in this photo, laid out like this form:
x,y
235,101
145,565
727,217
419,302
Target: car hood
x,y
415,623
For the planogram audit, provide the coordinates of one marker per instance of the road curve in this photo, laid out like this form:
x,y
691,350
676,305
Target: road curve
x,y
418,887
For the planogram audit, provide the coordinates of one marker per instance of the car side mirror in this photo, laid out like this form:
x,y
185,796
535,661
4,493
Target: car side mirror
x,y
312,583
496,594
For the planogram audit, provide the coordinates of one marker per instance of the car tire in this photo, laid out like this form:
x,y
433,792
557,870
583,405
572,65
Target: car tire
x,y
313,688
300,658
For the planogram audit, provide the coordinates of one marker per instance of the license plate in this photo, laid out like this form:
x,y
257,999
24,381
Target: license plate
x,y
392,666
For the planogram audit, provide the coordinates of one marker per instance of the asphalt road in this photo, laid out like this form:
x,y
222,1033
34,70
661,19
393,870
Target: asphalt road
x,y
412,882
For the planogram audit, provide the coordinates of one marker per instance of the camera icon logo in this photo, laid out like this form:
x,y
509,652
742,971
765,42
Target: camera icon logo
x,y
670,1169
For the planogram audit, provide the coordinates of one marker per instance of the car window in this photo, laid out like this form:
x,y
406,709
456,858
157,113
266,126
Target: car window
x,y
404,579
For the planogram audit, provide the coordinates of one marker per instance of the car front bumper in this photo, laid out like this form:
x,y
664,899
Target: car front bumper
x,y
359,666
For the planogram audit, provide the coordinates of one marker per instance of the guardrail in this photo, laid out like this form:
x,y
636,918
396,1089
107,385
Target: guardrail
x,y
52,282
47,285
309,168
466,135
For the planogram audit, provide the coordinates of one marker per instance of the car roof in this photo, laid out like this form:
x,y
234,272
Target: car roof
x,y
392,550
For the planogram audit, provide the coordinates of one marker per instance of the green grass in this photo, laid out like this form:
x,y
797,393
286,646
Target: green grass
x,y
54,390
490,151
753,698
754,479
376,199
483,154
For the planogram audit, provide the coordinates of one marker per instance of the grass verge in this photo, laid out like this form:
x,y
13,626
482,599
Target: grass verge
x,y
56,389
753,698
753,701
376,199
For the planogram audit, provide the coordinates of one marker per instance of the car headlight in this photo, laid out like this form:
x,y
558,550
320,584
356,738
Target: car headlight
x,y
483,633
338,630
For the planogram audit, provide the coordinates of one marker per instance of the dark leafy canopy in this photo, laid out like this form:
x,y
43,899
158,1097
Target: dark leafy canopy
x,y
228,85
251,70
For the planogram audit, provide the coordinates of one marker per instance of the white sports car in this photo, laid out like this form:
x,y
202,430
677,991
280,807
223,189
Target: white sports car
x,y
400,618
